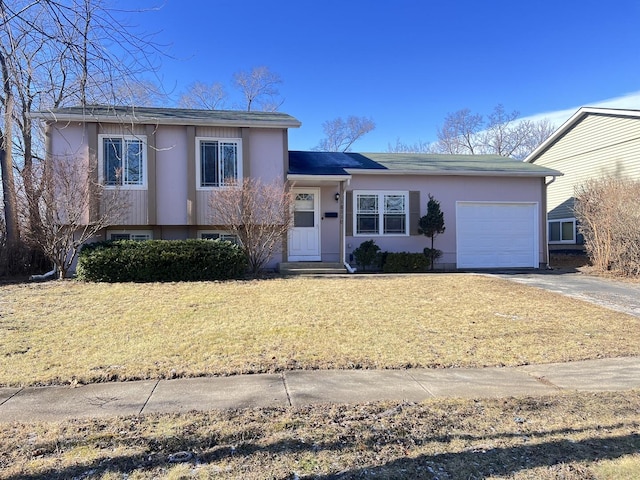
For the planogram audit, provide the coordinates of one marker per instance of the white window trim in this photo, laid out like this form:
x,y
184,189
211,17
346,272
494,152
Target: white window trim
x,y
147,233
561,220
380,194
217,232
237,141
143,139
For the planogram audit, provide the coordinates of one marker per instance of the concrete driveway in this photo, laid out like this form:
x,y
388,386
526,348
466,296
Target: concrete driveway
x,y
613,294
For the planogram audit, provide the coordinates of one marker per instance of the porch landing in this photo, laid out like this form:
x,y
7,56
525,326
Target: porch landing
x,y
312,268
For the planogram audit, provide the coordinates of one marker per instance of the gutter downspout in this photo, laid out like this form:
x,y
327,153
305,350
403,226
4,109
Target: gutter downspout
x,y
546,220
343,231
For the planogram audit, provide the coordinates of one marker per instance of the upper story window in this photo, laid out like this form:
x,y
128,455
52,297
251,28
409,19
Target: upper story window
x,y
219,162
381,213
123,160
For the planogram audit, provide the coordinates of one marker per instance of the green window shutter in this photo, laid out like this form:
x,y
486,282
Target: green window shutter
x,y
348,218
414,212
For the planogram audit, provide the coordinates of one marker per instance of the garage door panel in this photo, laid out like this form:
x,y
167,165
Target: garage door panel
x,y
491,234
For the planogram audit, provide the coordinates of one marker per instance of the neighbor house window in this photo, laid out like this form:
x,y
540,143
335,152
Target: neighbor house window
x,y
562,231
381,213
219,162
215,235
123,160
137,235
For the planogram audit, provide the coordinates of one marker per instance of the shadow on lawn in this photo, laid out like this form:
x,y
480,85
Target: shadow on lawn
x,y
475,462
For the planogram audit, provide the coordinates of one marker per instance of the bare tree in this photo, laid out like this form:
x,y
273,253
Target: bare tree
x,y
258,213
341,134
206,96
259,86
608,214
69,194
418,147
501,133
53,54
459,132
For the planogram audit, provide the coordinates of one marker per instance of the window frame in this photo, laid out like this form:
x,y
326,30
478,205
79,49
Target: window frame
x,y
381,194
101,161
131,233
221,234
572,241
198,160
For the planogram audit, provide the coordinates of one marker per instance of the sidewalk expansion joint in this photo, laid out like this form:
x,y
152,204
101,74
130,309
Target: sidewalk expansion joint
x,y
149,397
11,396
286,388
420,384
547,383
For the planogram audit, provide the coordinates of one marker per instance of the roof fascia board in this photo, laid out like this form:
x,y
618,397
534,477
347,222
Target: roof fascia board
x,y
298,177
129,120
457,173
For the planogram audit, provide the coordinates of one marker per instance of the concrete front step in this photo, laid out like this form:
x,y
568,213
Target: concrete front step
x,y
311,268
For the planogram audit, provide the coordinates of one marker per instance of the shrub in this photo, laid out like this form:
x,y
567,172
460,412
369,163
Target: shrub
x,y
404,262
608,214
160,261
366,254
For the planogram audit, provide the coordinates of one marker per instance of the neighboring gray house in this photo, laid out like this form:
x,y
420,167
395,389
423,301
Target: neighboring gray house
x,y
172,159
594,142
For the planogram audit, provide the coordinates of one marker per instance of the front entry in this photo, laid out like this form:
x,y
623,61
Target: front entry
x,y
304,237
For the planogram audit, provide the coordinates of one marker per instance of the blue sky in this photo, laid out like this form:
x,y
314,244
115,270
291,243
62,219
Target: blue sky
x,y
406,63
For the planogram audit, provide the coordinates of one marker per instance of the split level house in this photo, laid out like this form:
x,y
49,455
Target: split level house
x,y
593,143
172,159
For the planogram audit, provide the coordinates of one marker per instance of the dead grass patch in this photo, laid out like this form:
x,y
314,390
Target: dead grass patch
x,y
63,332
570,436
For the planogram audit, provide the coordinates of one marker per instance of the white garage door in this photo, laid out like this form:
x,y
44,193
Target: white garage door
x,y
496,234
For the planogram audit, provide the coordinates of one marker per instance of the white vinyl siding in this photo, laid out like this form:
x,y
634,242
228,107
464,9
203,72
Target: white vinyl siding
x,y
599,145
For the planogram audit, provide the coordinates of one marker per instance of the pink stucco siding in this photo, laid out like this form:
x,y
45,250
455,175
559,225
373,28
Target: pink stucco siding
x,y
447,190
171,175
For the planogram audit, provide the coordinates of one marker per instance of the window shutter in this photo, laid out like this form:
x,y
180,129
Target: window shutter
x,y
414,212
348,217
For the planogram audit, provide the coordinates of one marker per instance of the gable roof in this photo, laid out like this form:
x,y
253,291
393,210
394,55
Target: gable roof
x,y
573,121
168,116
347,163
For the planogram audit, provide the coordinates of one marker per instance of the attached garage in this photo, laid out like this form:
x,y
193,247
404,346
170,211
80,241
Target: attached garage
x,y
497,234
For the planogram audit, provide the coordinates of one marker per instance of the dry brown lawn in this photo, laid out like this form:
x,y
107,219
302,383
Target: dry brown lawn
x,y
64,332
560,437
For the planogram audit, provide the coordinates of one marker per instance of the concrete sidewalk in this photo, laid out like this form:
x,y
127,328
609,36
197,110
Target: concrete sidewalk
x,y
296,388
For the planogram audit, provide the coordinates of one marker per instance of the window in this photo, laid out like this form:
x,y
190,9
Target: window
x,y
225,236
219,162
562,231
123,160
138,236
383,213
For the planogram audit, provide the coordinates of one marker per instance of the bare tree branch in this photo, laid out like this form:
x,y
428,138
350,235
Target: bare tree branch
x,y
260,86
341,134
258,213
206,96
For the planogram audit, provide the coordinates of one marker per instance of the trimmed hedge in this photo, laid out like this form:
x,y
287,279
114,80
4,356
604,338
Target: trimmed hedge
x,y
160,261
404,262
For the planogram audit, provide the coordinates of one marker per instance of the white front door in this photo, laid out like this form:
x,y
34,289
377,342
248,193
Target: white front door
x,y
304,237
